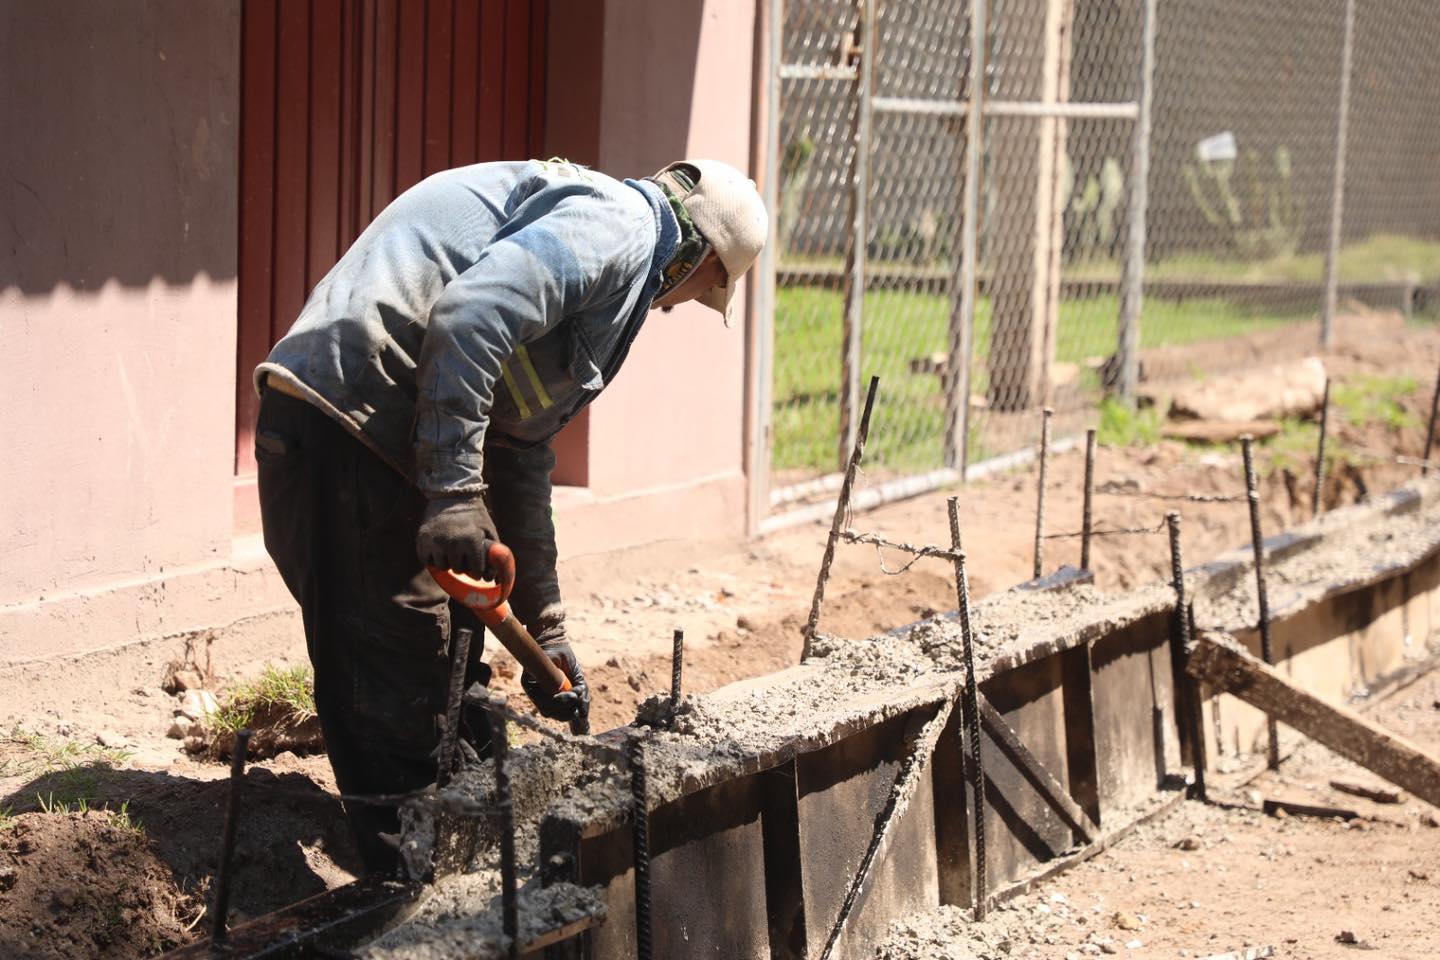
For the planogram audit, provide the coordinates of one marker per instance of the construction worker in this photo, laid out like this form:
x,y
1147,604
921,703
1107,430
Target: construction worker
x,y
406,418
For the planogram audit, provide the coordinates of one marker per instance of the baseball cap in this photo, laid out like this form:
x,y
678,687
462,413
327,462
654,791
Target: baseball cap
x,y
727,210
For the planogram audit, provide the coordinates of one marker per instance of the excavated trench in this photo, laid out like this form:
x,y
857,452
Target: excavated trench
x,y
798,814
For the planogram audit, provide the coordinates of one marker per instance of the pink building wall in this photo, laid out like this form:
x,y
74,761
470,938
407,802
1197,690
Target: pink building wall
x,y
117,306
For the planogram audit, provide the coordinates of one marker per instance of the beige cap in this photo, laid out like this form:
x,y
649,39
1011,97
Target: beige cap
x,y
729,213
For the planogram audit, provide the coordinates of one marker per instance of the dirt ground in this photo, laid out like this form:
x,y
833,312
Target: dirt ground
x,y
741,605
1210,879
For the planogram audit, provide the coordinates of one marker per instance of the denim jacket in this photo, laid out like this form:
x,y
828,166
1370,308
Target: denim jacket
x,y
477,314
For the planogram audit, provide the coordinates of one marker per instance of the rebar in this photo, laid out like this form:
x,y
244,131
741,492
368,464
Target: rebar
x,y
842,509
1257,540
456,694
677,663
1085,516
505,810
1430,430
640,835
971,713
223,873
1045,416
1189,692
1315,497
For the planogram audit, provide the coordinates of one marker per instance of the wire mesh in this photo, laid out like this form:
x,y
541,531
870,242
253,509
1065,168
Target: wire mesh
x,y
1240,206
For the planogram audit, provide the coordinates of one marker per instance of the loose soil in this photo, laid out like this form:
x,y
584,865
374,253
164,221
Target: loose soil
x,y
742,605
78,885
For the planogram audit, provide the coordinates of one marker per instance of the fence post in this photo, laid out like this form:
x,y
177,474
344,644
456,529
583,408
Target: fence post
x,y
1132,285
1337,193
962,313
855,272
760,362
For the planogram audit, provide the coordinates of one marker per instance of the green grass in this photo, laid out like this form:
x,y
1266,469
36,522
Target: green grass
x,y
1374,398
69,775
902,326
1122,427
7,817
292,689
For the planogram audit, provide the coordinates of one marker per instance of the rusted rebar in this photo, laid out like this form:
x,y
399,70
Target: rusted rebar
x,y
220,909
1085,515
640,837
971,714
677,663
460,660
1315,499
842,509
505,814
1430,430
1189,692
1045,416
1257,541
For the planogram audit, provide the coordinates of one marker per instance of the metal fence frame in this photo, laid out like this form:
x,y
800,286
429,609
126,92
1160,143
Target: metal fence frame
x,y
767,507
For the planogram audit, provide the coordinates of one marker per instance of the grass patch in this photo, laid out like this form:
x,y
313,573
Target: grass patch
x,y
1374,398
1121,426
70,772
7,817
285,690
902,326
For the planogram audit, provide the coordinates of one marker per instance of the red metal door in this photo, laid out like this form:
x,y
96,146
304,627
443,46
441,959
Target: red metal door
x,y
344,104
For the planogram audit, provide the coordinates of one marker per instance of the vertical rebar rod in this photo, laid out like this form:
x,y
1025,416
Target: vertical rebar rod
x,y
640,835
1315,496
677,663
1189,692
1257,540
1132,285
460,660
855,280
1086,515
1337,193
225,871
1045,416
505,811
1430,430
842,509
971,714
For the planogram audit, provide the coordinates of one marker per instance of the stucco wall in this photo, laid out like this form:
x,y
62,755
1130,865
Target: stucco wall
x,y
667,440
117,293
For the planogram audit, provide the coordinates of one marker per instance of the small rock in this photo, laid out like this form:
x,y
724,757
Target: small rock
x,y
110,739
1133,944
1110,946
727,592
8,876
613,662
187,680
1419,875
744,622
1430,820
198,704
194,744
1126,921
1255,797
1346,936
1189,843
634,682
180,728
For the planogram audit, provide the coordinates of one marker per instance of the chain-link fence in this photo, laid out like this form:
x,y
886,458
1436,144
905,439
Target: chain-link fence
x,y
1142,191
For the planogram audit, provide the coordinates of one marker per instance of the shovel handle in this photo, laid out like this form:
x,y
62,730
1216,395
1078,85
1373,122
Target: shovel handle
x,y
487,600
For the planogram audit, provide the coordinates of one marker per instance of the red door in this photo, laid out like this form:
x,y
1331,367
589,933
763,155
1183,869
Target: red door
x,y
344,104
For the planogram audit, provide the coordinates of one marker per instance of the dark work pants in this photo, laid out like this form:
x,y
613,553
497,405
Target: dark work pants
x,y
340,525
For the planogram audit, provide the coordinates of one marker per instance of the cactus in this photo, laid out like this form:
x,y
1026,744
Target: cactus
x,y
1269,225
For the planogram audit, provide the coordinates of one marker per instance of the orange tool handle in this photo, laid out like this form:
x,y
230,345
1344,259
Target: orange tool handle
x,y
489,601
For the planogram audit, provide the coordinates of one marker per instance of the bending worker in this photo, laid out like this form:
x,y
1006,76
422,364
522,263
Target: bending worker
x,y
406,418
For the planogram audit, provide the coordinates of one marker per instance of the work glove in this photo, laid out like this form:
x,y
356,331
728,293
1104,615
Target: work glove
x,y
456,534
574,703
